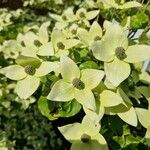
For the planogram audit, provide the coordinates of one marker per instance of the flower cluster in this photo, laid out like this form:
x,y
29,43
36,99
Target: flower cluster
x,y
91,65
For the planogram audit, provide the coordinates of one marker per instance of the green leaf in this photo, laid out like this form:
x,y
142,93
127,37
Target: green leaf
x,y
69,109
144,90
145,77
45,106
89,64
144,39
139,21
25,60
54,110
116,125
130,139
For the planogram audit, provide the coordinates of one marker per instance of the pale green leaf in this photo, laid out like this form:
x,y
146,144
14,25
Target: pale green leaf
x,y
95,30
25,60
61,91
121,108
137,53
145,77
101,51
91,77
29,51
130,5
14,72
84,36
43,33
46,67
117,71
109,85
71,132
94,116
129,117
71,43
143,115
46,50
124,97
78,145
29,38
56,17
144,90
98,143
92,14
86,98
26,87
109,98
69,69
89,127
56,37
115,37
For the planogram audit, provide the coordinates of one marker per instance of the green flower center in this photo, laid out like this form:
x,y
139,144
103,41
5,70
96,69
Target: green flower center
x,y
77,83
64,17
85,138
29,69
82,15
73,31
97,38
60,45
37,43
120,53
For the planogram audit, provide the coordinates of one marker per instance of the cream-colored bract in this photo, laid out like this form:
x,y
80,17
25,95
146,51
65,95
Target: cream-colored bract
x,y
64,90
117,70
28,84
88,37
124,5
75,132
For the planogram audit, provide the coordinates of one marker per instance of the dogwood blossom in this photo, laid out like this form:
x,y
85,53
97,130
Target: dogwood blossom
x,y
28,75
75,83
117,54
84,135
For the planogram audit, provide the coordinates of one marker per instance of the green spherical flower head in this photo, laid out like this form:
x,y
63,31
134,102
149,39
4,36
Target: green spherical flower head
x,y
97,38
29,69
120,53
37,43
85,138
22,43
82,15
64,17
77,83
74,31
60,45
